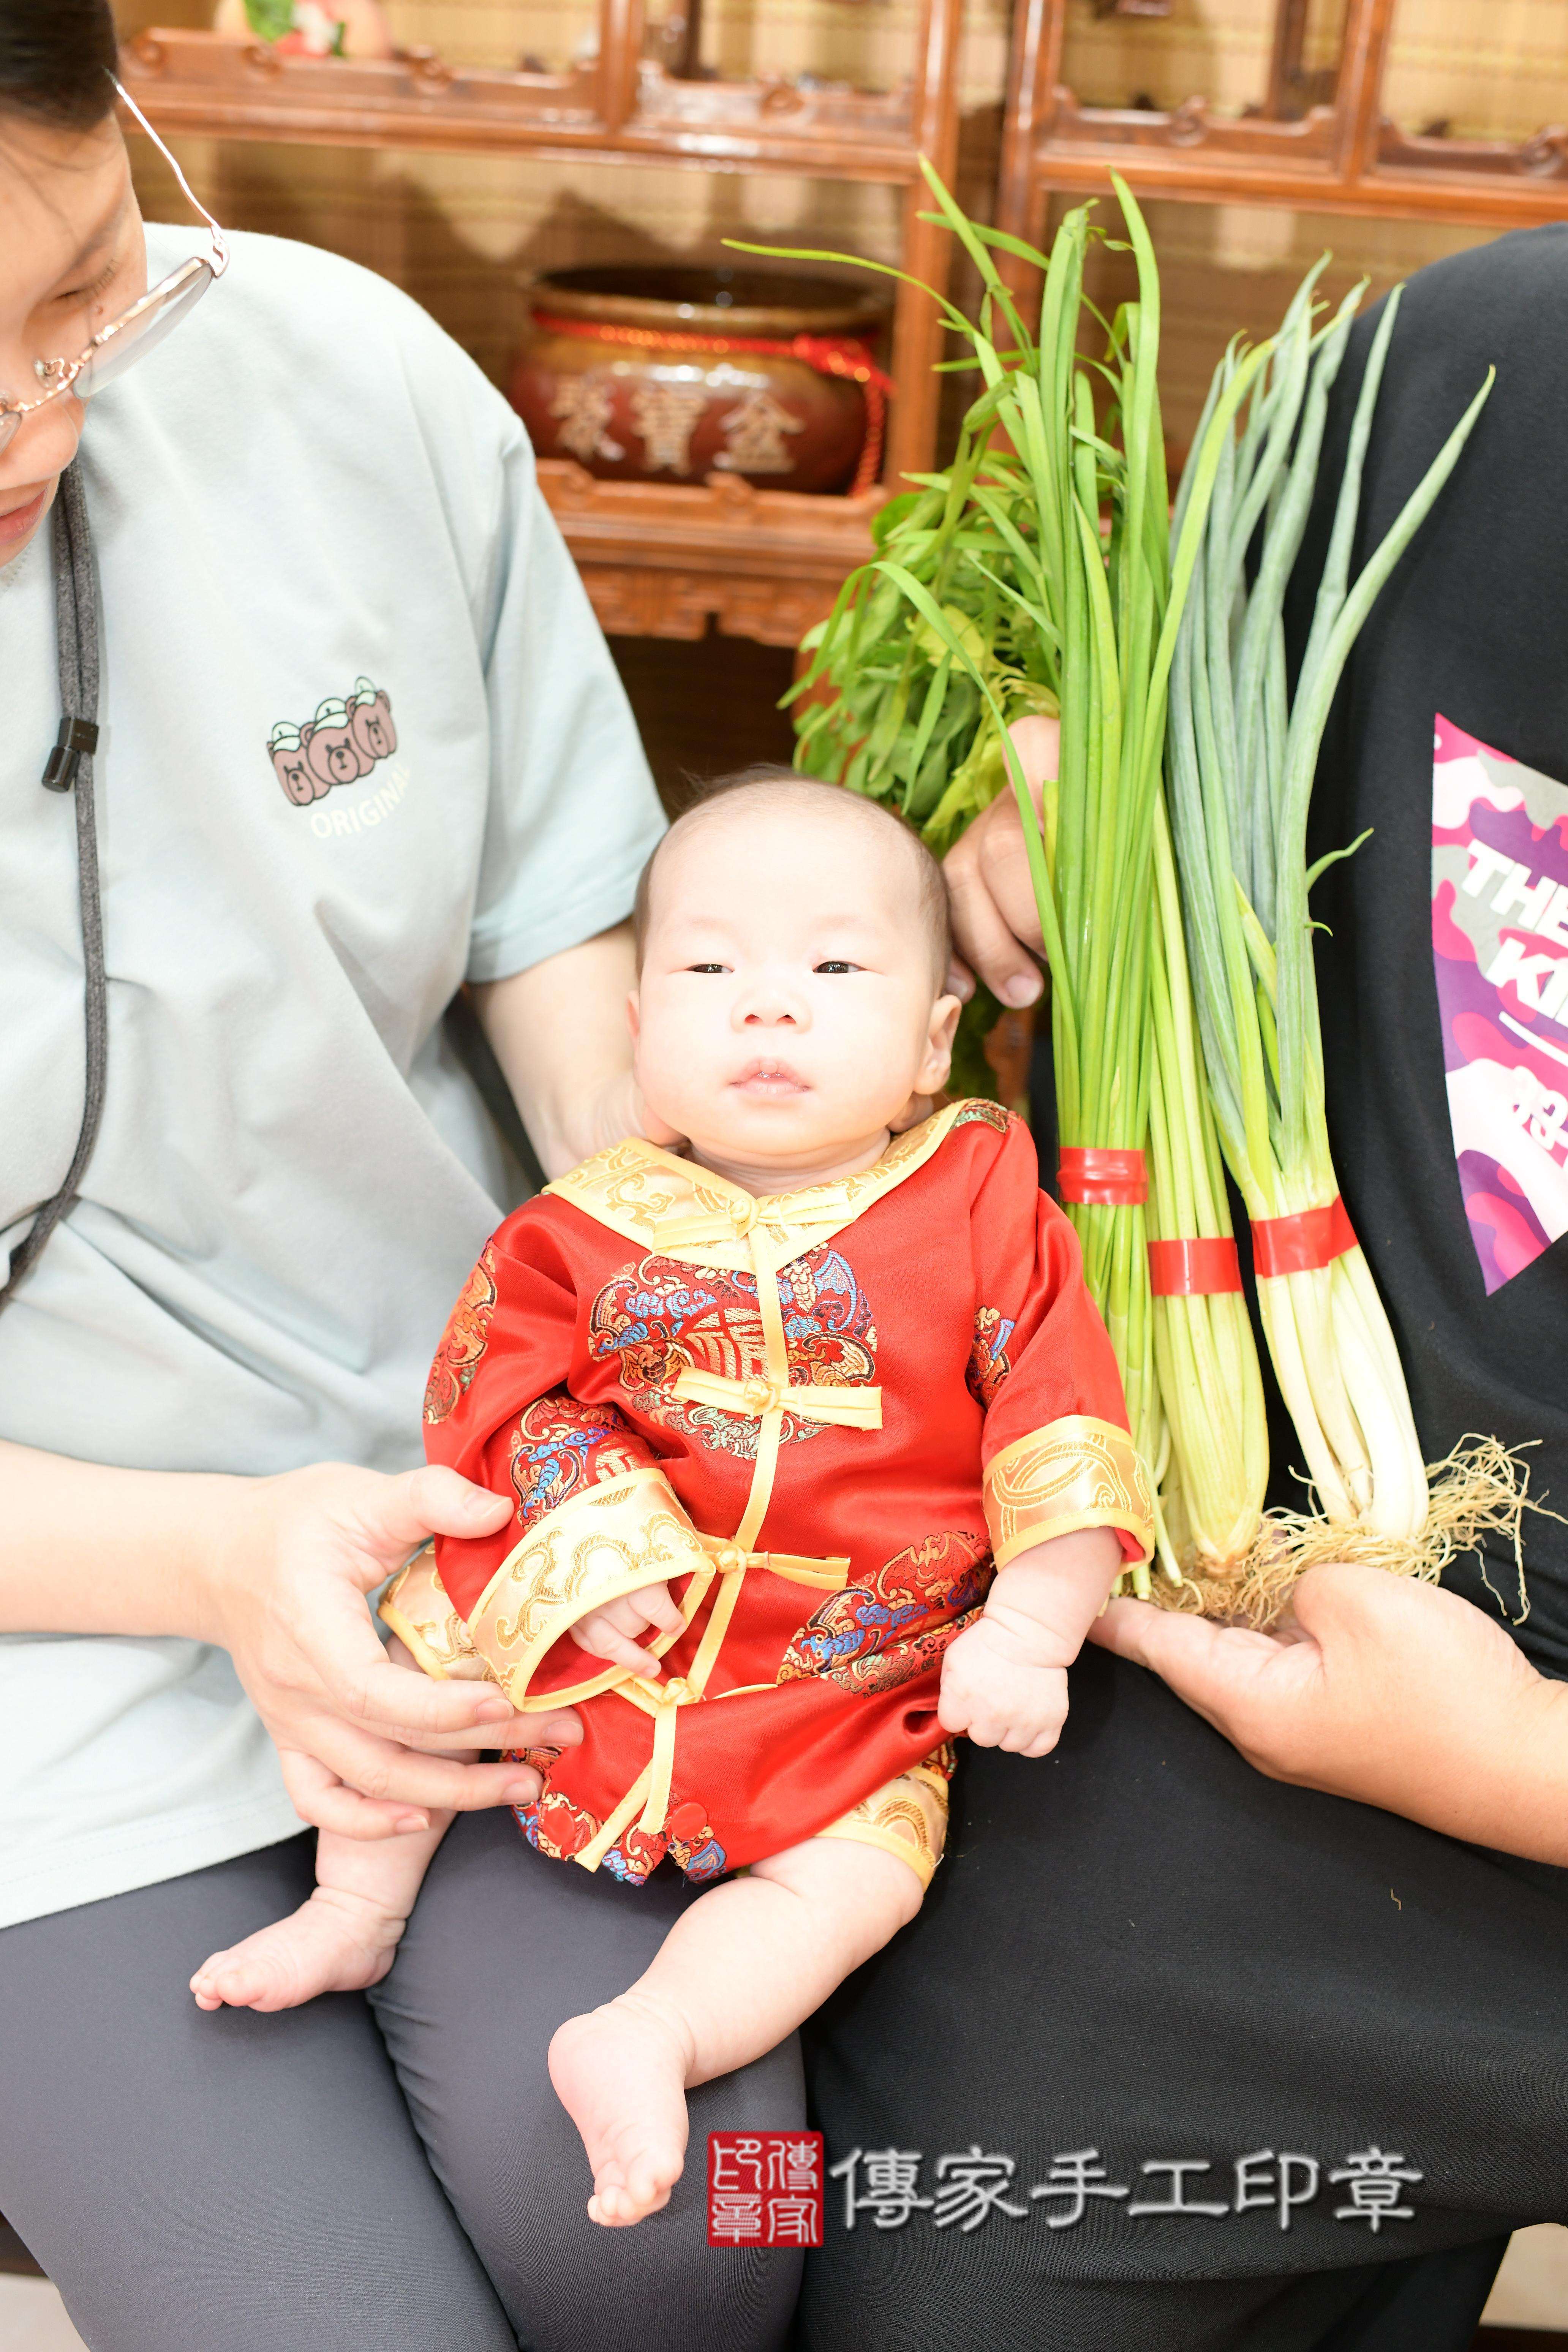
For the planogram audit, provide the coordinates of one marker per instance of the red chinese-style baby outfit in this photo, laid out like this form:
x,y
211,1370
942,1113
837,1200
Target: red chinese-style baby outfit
x,y
825,1418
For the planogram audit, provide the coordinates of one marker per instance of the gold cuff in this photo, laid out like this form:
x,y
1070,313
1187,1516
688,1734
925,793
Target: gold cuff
x,y
1074,1473
415,1607
617,1536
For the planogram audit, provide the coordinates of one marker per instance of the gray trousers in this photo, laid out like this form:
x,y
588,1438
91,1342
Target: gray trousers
x,y
389,2173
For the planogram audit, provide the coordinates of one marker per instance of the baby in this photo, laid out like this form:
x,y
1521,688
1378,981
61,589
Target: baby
x,y
819,1458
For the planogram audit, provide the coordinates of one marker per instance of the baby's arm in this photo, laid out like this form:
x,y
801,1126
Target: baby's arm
x,y
1004,1680
344,1938
1057,1456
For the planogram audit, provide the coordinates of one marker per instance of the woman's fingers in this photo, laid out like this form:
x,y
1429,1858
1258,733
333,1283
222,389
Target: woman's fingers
x,y
408,1705
1215,1668
562,1729
560,1726
319,1798
981,932
1037,741
411,1780
991,891
404,1511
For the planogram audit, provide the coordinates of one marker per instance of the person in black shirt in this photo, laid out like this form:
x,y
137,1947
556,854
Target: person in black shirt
x,y
1276,1906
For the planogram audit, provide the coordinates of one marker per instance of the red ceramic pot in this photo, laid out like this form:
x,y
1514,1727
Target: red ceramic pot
x,y
653,373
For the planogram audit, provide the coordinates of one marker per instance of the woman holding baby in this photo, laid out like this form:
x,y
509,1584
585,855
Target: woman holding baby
x,y
300,537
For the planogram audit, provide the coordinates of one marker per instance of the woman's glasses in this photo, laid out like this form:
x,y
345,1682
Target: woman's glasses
x,y
137,330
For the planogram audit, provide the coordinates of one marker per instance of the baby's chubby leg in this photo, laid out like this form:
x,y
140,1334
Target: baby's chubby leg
x,y
738,1972
343,1938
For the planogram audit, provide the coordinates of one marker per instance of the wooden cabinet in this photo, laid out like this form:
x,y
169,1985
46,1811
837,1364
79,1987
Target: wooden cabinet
x,y
1314,137
657,561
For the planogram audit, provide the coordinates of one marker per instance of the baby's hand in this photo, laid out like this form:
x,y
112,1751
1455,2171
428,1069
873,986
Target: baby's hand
x,y
609,1633
996,1688
1004,1681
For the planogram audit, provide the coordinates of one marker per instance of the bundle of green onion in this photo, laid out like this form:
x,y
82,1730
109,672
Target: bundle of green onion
x,y
1241,763
996,592
1038,574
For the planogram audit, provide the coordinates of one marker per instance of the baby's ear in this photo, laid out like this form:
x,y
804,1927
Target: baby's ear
x,y
944,1016
937,1063
634,1015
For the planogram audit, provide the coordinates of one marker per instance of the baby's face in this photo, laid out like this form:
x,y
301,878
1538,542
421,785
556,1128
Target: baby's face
x,y
787,1007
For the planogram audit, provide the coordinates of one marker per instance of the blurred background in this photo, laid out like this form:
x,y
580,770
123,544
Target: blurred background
x,y
467,233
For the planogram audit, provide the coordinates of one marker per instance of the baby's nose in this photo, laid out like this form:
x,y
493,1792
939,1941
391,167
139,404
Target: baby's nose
x,y
771,1004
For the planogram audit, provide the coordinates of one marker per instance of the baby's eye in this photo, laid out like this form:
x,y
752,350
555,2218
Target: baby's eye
x,y
707,966
835,963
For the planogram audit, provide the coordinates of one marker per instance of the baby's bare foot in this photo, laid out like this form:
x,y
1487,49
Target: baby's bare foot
x,y
333,1943
620,2073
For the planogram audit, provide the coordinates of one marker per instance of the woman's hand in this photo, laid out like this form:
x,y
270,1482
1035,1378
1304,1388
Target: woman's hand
x,y
1393,1692
988,879
374,1742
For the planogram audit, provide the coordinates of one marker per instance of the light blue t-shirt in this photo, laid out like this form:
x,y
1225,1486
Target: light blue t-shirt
x,y
361,739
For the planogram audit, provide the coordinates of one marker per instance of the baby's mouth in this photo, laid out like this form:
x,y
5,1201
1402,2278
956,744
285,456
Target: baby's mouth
x,y
768,1079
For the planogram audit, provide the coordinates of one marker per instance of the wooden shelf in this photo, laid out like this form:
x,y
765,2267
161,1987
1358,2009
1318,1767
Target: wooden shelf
x,y
205,85
1346,157
659,560
664,561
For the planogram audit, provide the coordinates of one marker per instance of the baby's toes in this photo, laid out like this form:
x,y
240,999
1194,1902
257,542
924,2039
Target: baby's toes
x,y
215,1981
612,2207
652,2176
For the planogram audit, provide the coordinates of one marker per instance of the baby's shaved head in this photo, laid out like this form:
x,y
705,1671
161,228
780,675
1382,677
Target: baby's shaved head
x,y
753,791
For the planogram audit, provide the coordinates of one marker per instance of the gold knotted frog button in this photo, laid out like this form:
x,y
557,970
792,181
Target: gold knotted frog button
x,y
759,1395
743,1215
675,1692
728,1558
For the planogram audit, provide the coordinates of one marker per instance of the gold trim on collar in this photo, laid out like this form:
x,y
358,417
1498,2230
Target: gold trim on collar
x,y
1074,1473
684,1212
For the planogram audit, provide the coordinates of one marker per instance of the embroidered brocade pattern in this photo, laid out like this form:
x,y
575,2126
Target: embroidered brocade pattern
x,y
988,1361
907,1816
464,1340
692,1846
978,1112
415,1607
1076,1472
553,1824
857,1637
636,1855
560,1446
657,1319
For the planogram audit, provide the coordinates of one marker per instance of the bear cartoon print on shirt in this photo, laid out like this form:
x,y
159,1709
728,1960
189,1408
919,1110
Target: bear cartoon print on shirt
x,y
343,742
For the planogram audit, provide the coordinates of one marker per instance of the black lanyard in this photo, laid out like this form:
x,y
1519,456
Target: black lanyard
x,y
70,767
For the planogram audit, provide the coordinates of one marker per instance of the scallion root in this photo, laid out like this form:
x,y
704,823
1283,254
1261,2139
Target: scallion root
x,y
1480,1490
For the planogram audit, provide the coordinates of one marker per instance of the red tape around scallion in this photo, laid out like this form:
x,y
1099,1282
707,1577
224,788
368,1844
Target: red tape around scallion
x,y
1201,1268
1303,1244
1108,1180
